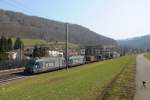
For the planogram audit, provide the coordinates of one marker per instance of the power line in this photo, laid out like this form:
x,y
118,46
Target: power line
x,y
12,4
22,7
26,7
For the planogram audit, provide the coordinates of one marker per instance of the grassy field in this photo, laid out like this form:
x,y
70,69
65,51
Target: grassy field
x,y
80,83
32,42
123,88
62,45
147,55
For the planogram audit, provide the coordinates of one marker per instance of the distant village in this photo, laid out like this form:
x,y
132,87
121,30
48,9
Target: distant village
x,y
17,52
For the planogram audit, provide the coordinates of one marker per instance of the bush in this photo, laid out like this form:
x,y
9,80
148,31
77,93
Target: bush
x,y
18,44
3,56
39,51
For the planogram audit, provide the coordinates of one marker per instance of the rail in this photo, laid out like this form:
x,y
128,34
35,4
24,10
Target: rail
x,y
11,71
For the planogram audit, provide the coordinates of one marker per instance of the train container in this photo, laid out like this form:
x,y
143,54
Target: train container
x,y
90,58
76,60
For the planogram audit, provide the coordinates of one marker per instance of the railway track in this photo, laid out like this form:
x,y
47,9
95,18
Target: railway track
x,y
14,74
6,80
10,75
11,71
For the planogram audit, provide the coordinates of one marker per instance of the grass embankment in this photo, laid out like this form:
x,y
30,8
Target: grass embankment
x,y
147,55
85,82
123,88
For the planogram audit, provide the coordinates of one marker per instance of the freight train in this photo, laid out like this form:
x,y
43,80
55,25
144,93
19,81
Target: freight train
x,y
39,65
91,54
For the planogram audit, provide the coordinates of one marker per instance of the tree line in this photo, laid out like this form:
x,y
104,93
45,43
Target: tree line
x,y
6,44
39,51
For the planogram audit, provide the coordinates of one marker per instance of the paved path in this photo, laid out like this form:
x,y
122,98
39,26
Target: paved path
x,y
142,74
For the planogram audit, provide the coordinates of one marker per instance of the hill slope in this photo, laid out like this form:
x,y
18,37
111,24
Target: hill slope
x,y
138,42
19,25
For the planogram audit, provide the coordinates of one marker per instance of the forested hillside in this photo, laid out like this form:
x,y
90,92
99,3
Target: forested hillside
x,y
14,24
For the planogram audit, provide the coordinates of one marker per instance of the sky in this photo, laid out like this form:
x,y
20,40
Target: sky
x,y
118,19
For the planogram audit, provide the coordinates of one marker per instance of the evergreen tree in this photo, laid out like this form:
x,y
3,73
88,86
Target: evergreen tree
x,y
0,45
3,56
3,44
36,52
10,44
42,51
39,51
18,44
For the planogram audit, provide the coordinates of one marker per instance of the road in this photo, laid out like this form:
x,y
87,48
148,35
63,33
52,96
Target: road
x,y
142,74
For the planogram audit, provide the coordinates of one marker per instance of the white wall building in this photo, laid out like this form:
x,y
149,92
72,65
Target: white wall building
x,y
53,53
15,55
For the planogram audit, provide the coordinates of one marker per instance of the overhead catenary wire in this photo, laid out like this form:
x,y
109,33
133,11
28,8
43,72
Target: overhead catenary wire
x,y
26,7
19,6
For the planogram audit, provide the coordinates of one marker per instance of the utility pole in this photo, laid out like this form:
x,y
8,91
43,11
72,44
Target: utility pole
x,y
20,62
20,52
66,25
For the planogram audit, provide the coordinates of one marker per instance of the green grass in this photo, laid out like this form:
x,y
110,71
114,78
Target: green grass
x,y
62,45
147,55
123,88
80,83
32,42
59,45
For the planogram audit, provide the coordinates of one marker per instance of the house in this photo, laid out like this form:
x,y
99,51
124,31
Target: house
x,y
72,52
16,55
12,55
99,52
93,53
28,51
53,53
